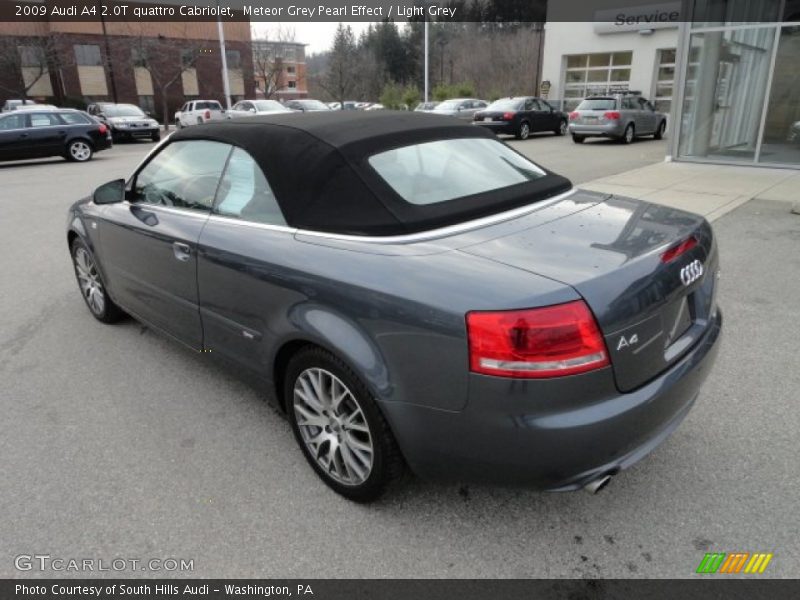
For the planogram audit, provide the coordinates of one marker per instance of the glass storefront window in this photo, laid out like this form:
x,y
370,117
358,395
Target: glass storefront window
x,y
714,13
724,93
781,143
601,73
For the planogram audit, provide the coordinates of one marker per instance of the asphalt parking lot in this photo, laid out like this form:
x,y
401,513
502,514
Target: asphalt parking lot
x,y
119,443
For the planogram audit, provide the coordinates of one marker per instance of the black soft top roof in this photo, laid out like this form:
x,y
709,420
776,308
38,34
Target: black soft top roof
x,y
316,164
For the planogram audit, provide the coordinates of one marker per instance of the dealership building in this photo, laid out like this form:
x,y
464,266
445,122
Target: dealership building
x,y
726,72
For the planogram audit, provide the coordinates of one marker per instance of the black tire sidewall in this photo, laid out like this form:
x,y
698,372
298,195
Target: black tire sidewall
x,y
381,472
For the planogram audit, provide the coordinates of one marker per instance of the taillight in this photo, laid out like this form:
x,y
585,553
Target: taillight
x,y
102,128
552,341
679,249
612,115
574,115
207,115
509,116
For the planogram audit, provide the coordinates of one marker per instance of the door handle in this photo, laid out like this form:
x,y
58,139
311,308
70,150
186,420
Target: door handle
x,y
182,251
23,135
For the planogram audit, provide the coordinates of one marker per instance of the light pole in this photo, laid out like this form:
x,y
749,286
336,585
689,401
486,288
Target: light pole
x,y
426,58
225,85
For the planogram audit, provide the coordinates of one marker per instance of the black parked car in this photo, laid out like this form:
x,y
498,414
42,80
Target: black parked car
x,y
61,132
521,116
126,121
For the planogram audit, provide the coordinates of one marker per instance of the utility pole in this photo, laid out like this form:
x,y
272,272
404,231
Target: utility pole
x,y
225,84
426,58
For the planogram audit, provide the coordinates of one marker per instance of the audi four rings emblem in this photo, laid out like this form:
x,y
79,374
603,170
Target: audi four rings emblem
x,y
691,272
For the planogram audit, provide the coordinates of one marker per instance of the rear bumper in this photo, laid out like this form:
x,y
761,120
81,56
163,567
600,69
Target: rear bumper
x,y
506,127
138,132
554,435
610,129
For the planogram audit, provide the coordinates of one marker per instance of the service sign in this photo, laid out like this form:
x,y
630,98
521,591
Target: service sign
x,y
637,18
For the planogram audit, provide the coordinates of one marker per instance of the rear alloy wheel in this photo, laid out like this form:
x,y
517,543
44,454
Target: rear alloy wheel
x,y
524,131
578,139
91,284
562,128
628,135
339,427
178,124
659,134
79,151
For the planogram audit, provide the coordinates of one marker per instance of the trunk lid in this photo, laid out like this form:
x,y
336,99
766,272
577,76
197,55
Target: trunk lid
x,y
650,312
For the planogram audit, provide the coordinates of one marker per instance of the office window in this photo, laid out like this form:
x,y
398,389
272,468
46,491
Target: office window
x,y
291,85
289,53
139,57
88,55
234,59
147,103
601,73
290,70
31,56
664,79
188,57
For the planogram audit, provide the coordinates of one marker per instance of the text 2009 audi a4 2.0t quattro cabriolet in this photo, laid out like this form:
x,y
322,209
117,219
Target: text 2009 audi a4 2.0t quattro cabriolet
x,y
414,293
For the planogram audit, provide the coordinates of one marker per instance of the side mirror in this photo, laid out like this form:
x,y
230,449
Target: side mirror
x,y
110,193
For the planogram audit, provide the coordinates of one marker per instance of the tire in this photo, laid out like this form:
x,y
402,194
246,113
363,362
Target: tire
x,y
628,135
659,134
91,285
79,150
178,124
562,128
156,137
578,139
357,456
199,120
524,131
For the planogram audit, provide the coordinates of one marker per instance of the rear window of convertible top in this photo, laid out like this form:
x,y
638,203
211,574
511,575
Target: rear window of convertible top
x,y
442,170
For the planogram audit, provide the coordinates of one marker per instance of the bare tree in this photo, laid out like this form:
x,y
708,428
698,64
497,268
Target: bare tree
x,y
28,60
268,64
340,77
166,60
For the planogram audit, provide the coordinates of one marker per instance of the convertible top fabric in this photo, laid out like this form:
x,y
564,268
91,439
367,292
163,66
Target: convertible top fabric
x,y
316,164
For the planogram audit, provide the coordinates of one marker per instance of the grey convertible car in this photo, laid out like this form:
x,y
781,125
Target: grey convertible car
x,y
413,293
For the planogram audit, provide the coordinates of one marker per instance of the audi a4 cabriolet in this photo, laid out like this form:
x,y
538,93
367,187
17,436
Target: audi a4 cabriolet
x,y
414,294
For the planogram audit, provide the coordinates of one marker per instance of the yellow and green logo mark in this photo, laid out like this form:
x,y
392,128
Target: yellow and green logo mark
x,y
734,562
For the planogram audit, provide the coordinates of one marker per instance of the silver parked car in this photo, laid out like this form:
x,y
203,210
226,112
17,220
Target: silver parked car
x,y
249,108
622,116
461,108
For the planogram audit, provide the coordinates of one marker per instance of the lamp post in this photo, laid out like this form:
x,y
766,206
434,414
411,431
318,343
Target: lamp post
x,y
225,85
426,58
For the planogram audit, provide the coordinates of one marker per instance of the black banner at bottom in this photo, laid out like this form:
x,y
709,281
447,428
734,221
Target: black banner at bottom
x,y
396,589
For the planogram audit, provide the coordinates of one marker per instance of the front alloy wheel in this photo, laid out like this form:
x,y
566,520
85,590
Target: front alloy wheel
x,y
627,137
339,427
91,285
79,151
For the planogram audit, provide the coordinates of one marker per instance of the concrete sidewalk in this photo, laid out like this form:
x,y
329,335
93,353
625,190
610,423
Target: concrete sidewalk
x,y
710,190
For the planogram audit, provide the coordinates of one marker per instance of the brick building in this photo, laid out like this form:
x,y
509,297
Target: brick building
x,y
280,69
144,63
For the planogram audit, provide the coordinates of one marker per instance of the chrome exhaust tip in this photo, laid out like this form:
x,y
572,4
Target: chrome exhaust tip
x,y
594,487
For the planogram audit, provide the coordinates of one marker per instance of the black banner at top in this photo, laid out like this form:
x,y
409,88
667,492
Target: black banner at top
x,y
625,13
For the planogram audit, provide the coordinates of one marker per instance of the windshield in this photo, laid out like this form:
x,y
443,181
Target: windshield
x,y
446,169
123,110
597,104
313,105
505,104
269,105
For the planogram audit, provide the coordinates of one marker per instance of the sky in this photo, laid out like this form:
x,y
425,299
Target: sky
x,y
317,36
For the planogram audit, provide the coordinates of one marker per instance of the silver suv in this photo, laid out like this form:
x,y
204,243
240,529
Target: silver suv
x,y
619,116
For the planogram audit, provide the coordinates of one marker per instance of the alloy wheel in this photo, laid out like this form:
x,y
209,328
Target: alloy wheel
x,y
524,131
80,151
333,426
628,134
89,281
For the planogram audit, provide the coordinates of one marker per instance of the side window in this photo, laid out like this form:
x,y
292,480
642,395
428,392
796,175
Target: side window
x,y
183,175
529,105
245,194
12,122
43,120
628,104
73,118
